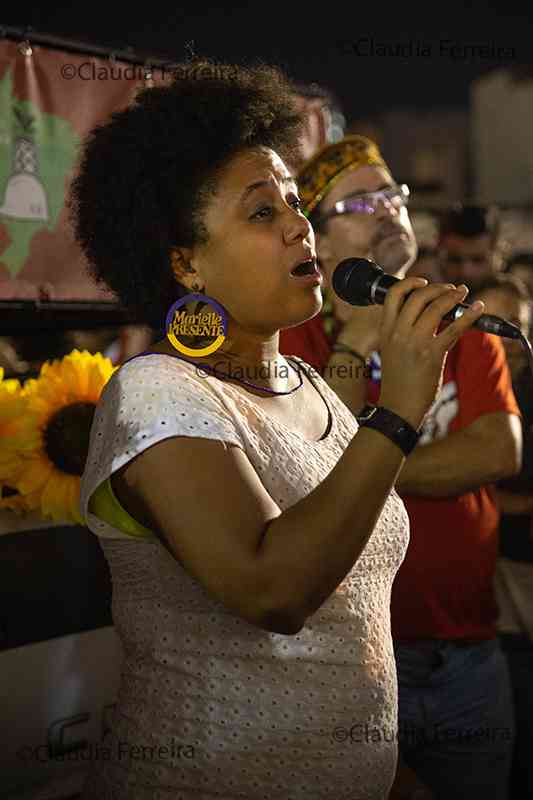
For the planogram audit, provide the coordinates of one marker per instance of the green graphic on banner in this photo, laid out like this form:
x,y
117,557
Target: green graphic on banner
x,y
37,153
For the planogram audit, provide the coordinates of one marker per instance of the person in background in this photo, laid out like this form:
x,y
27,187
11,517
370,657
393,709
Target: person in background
x,y
452,675
426,265
10,360
21,355
32,350
521,265
471,248
323,119
131,340
508,297
95,340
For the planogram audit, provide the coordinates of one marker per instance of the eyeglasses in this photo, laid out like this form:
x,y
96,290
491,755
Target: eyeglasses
x,y
393,196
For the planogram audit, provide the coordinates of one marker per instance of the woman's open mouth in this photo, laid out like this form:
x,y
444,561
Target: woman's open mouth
x,y
307,272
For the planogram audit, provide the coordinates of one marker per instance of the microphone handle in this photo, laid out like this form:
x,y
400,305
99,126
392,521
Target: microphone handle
x,y
488,323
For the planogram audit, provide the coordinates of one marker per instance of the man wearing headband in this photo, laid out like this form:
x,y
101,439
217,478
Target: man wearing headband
x,y
452,675
342,177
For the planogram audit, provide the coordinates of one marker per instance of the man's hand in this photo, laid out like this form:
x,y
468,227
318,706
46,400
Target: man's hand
x,y
360,332
362,326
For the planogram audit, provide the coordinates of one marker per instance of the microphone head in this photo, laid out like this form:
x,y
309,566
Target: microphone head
x,y
353,278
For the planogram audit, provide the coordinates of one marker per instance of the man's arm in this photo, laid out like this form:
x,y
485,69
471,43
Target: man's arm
x,y
344,373
486,451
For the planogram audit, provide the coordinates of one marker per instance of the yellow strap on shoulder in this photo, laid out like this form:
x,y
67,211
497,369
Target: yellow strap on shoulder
x,y
104,504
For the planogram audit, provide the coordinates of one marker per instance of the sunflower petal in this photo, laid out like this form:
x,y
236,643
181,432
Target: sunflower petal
x,y
36,477
49,496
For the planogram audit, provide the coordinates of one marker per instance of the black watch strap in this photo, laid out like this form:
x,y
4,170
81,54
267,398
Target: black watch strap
x,y
394,427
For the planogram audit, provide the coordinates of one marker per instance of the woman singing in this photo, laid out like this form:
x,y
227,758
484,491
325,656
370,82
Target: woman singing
x,y
251,528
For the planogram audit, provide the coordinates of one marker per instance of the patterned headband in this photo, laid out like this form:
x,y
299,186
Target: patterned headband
x,y
323,170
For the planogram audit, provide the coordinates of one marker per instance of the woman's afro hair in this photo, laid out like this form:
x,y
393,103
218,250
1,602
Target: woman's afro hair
x,y
146,174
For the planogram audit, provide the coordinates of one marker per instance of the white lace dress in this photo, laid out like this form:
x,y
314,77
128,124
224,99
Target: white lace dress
x,y
211,707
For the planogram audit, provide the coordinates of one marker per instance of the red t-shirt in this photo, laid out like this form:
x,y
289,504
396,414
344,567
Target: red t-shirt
x,y
309,341
444,587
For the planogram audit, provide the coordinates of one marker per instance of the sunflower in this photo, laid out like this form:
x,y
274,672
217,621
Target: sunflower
x,y
52,439
13,405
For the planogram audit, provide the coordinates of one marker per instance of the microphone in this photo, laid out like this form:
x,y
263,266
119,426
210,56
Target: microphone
x,y
362,282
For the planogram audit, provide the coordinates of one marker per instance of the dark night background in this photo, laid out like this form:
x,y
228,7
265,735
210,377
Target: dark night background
x,y
306,39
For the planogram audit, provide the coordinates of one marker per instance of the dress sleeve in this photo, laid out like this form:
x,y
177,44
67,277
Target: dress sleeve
x,y
145,401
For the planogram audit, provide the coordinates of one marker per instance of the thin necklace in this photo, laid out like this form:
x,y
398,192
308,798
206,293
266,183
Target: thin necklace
x,y
222,374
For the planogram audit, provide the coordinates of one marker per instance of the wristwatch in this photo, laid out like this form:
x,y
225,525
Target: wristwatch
x,y
394,427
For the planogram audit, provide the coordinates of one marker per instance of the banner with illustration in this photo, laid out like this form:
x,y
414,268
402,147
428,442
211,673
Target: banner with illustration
x,y
49,100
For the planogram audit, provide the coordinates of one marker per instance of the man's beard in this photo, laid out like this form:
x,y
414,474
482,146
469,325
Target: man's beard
x,y
393,254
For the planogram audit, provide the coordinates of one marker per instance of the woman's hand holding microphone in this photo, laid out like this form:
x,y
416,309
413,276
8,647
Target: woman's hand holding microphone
x,y
412,349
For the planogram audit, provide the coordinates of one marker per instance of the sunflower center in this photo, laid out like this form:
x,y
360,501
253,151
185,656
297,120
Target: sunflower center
x,y
67,437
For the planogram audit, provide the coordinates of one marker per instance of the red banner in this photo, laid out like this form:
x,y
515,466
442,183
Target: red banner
x,y
49,100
